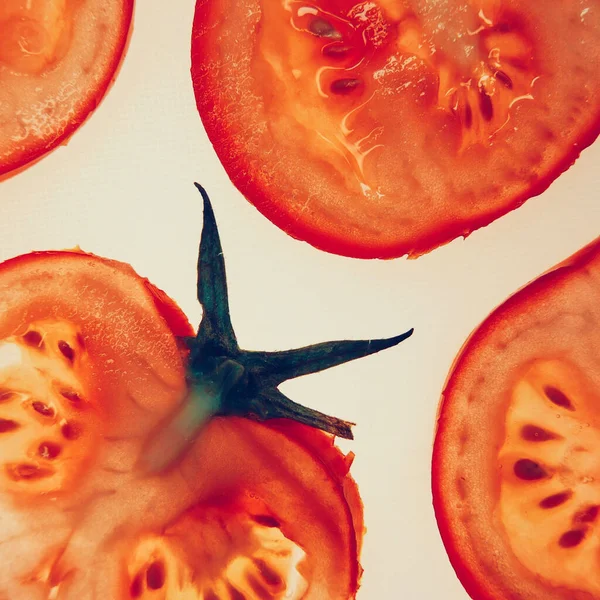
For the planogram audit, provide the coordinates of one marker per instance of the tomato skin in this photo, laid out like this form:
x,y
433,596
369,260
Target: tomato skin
x,y
292,204
22,160
487,569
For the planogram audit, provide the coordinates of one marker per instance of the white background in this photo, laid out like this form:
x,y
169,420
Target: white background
x,y
123,188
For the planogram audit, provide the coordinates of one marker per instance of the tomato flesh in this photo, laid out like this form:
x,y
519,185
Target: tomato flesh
x,y
515,465
57,59
378,129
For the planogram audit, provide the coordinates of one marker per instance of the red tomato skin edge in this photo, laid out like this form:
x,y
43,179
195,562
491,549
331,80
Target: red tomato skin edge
x,y
526,295
317,443
322,446
32,157
295,229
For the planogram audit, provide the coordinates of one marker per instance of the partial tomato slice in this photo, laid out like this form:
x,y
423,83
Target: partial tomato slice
x,y
141,460
57,59
515,464
87,363
377,129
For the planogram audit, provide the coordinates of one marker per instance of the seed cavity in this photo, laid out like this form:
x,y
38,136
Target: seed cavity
x,y
587,515
43,409
485,105
6,425
529,470
572,538
532,433
557,397
556,499
49,450
267,521
155,575
28,472
66,350
34,339
210,595
505,79
345,85
323,28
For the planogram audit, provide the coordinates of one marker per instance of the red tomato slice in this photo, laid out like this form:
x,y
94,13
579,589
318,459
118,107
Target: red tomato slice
x,y
377,129
515,463
57,60
90,363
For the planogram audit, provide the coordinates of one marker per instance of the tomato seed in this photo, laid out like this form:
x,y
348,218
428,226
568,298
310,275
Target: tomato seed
x,y
6,395
557,397
70,431
72,396
137,587
336,50
345,86
28,472
155,575
485,105
267,521
269,574
556,499
43,409
33,338
258,587
587,515
80,341
6,425
66,350
504,78
323,28
49,450
528,470
468,116
531,433
235,593
572,538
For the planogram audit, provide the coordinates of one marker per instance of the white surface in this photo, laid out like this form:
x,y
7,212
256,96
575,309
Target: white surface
x,y
123,188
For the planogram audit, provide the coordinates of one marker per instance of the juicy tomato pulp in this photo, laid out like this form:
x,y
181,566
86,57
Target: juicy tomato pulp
x,y
57,59
515,468
89,364
380,128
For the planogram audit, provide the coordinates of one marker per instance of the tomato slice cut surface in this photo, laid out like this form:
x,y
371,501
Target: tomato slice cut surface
x,y
377,129
515,464
141,460
57,59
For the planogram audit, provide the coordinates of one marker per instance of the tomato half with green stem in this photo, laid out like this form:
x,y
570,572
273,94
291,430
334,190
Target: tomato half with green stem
x,y
515,463
140,460
384,128
57,60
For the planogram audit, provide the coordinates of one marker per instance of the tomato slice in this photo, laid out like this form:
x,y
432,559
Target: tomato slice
x,y
57,60
142,460
515,467
378,129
